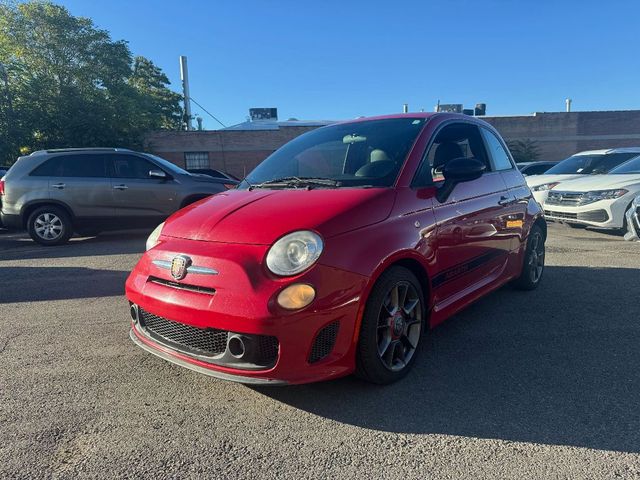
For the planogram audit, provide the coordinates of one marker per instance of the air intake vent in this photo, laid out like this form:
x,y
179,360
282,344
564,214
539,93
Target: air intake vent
x,y
324,342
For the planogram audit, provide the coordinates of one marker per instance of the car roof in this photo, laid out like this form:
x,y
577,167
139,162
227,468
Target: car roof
x,y
77,150
609,151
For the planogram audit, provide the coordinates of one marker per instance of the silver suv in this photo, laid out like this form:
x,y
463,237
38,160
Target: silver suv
x,y
53,193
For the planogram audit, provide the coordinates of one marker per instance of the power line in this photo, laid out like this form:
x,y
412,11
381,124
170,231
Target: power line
x,y
206,111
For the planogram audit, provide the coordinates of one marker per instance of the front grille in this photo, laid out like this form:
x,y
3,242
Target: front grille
x,y
209,342
567,215
564,198
599,216
262,350
324,342
182,286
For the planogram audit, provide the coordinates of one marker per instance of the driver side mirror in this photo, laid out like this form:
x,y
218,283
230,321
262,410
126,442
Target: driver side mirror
x,y
159,174
457,171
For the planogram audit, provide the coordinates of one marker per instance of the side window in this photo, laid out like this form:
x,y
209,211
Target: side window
x,y
499,157
80,165
458,140
84,166
50,168
130,166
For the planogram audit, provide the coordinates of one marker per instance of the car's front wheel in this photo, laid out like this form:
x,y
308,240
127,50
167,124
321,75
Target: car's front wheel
x,y
49,225
391,327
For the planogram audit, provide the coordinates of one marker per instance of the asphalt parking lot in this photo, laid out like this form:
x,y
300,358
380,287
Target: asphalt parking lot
x,y
543,384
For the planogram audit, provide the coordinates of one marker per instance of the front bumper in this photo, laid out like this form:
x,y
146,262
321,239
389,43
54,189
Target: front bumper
x,y
633,221
240,299
607,214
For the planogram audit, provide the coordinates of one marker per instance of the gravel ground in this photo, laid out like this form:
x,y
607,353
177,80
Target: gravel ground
x,y
542,384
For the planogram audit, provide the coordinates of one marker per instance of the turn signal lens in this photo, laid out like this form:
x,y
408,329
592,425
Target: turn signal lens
x,y
296,296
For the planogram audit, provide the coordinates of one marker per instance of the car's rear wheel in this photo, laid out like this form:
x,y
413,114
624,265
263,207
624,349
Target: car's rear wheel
x,y
391,327
49,225
533,267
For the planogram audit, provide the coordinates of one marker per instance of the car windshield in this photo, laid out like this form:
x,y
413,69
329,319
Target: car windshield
x,y
168,165
632,166
367,153
590,164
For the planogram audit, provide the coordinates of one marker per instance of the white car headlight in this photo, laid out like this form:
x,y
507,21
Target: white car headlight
x,y
294,253
597,195
152,241
544,187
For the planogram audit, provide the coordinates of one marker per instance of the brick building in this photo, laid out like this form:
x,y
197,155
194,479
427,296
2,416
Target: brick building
x,y
239,148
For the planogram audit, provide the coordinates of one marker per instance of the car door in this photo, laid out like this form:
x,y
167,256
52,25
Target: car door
x,y
140,198
470,251
81,181
511,221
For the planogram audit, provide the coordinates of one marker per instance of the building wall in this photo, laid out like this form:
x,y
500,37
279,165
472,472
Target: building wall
x,y
558,135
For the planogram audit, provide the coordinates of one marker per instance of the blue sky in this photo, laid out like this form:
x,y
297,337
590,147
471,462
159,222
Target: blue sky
x,y
342,59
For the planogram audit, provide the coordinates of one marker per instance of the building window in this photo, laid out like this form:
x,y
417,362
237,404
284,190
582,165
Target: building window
x,y
195,160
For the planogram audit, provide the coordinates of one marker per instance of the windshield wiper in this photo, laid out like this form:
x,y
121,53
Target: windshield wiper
x,y
308,182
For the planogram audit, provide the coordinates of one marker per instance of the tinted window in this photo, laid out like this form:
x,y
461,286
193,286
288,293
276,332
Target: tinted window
x,y
50,168
538,169
130,166
86,166
353,154
586,164
499,157
632,166
461,140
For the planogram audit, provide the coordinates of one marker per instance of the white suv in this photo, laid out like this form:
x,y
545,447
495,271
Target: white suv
x,y
583,163
596,200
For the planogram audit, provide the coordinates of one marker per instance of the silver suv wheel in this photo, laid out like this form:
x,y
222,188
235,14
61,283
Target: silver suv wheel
x,y
48,226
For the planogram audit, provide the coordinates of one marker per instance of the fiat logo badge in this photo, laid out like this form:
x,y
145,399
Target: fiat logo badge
x,y
179,266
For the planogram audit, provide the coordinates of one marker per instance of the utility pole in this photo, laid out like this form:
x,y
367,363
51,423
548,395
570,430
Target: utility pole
x,y
184,76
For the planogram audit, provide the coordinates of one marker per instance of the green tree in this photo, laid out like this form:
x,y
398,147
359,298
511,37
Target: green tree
x,y
526,150
70,85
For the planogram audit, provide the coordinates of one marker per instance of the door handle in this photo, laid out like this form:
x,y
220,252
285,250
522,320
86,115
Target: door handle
x,y
504,201
120,187
59,186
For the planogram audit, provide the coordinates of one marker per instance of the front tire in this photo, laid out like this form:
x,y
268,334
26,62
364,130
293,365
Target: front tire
x,y
391,329
533,267
49,225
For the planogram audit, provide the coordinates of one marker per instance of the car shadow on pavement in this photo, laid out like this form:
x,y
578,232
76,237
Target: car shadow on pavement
x,y
34,284
23,248
559,365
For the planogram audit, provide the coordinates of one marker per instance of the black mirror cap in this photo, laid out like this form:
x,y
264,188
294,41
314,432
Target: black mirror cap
x,y
463,169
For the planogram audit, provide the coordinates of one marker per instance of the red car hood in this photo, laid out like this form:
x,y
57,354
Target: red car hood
x,y
262,216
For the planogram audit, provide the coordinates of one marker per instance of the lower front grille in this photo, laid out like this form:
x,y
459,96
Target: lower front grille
x,y
324,342
567,215
600,216
212,343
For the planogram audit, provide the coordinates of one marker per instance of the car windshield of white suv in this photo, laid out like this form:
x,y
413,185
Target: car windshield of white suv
x,y
589,164
632,166
358,154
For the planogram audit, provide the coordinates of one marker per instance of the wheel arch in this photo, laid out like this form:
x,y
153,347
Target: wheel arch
x,y
33,205
413,262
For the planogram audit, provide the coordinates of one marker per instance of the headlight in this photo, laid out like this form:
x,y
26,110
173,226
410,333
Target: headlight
x,y
597,195
152,241
544,187
294,253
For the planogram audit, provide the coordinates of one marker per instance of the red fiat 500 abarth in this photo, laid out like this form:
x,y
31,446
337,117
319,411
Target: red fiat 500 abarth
x,y
338,252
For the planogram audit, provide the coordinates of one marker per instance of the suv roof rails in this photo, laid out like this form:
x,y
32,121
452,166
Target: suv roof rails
x,y
87,149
